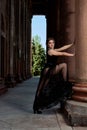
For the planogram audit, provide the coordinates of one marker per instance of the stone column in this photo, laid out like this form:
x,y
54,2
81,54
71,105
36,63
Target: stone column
x,y
67,32
3,88
77,108
30,50
81,50
11,36
19,77
24,8
23,38
0,38
10,77
8,36
28,38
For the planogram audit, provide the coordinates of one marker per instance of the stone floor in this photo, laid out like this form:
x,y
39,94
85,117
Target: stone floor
x,y
16,111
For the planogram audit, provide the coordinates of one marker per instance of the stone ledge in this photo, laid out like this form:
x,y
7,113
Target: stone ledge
x,y
76,113
3,89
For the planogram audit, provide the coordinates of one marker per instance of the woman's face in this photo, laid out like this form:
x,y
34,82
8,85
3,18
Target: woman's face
x,y
51,44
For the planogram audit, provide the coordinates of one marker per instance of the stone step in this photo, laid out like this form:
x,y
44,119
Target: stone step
x,y
76,113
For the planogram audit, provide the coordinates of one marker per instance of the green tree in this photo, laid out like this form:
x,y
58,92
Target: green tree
x,y
38,55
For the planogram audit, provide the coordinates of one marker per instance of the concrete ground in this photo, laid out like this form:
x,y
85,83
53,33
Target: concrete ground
x,y
16,111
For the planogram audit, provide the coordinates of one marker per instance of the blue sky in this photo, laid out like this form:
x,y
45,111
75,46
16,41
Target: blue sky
x,y
39,28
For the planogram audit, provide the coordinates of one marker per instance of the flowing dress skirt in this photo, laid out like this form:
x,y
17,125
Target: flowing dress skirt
x,y
55,91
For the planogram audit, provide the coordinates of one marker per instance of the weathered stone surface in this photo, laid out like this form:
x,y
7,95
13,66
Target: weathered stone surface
x,y
16,111
76,112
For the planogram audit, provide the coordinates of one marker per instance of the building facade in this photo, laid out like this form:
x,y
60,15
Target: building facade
x,y
66,21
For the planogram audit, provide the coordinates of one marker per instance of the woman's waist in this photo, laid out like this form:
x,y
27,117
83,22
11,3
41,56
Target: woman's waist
x,y
50,64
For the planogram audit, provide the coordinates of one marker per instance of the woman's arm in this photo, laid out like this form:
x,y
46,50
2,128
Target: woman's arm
x,y
64,47
52,52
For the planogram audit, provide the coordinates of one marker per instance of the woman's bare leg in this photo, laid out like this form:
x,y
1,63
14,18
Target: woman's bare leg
x,y
63,68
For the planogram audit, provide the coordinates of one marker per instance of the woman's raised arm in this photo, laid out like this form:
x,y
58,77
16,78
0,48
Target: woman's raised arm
x,y
64,47
52,52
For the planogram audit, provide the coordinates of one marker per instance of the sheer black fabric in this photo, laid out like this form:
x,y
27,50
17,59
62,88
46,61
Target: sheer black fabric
x,y
51,88
55,91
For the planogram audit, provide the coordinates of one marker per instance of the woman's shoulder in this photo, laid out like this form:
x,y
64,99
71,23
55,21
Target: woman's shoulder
x,y
50,52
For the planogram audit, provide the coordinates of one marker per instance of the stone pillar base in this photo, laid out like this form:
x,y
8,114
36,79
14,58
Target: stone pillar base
x,y
3,88
76,113
9,81
18,78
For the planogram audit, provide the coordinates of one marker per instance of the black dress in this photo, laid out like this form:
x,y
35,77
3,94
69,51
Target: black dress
x,y
55,90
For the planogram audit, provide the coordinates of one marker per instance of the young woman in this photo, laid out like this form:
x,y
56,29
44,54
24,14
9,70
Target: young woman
x,y
53,86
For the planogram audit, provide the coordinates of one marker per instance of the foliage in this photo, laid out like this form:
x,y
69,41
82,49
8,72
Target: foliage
x,y
38,56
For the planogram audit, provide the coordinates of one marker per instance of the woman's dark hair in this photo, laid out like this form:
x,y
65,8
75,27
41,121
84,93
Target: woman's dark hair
x,y
50,38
